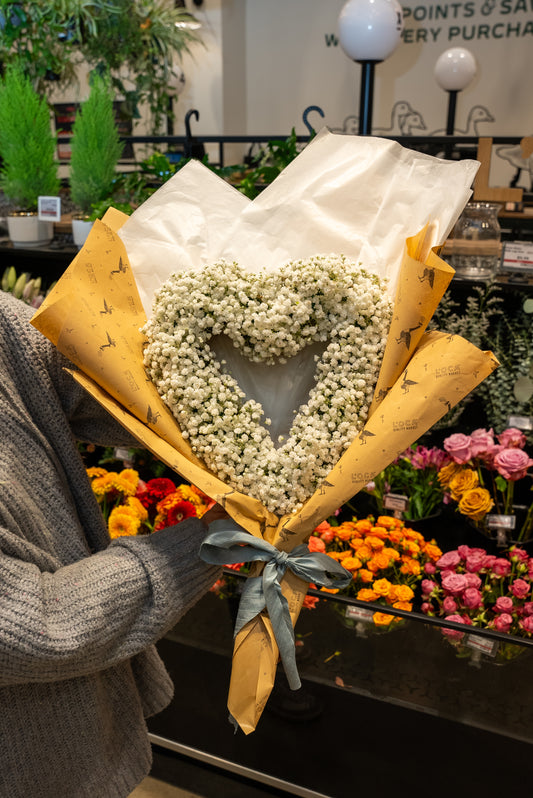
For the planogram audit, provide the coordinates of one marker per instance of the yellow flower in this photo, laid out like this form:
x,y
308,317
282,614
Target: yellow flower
x,y
464,480
96,472
140,511
476,503
447,472
123,521
124,483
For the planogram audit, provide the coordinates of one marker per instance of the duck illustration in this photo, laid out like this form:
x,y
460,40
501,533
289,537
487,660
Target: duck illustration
x,y
403,119
518,156
476,116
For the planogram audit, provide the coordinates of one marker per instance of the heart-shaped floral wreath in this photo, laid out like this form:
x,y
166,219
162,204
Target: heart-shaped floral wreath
x,y
270,317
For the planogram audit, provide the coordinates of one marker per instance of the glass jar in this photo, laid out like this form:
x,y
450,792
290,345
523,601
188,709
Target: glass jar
x,y
476,241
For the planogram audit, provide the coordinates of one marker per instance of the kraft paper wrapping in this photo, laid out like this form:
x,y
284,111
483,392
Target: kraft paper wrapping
x,y
94,316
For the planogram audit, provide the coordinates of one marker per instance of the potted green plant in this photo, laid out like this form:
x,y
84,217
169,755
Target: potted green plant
x,y
95,151
27,150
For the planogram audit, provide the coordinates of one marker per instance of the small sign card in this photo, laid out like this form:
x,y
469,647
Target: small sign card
x,y
49,209
395,501
500,521
489,647
517,256
525,423
358,613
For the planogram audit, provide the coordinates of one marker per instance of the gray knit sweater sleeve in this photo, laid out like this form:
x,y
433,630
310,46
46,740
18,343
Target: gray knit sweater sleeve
x,y
71,602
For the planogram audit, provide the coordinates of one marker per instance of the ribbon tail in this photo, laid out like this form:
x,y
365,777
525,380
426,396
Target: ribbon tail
x,y
280,617
252,602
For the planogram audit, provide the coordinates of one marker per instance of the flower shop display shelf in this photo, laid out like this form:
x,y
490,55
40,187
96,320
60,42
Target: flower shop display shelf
x,y
357,682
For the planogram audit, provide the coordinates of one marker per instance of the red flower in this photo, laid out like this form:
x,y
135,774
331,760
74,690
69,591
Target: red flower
x,y
155,490
180,511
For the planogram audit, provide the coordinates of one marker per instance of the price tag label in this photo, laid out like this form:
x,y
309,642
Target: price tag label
x,y
49,209
518,256
524,423
358,613
395,501
500,521
489,647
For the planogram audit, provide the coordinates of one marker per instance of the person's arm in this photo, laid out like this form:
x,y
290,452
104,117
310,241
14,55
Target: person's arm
x,y
90,615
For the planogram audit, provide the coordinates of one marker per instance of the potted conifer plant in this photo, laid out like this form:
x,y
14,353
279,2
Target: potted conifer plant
x,y
95,151
27,150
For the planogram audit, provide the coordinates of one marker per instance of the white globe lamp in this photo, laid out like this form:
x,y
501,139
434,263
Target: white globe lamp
x,y
454,71
369,32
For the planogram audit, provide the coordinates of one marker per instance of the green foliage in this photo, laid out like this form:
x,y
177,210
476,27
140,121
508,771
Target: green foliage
x,y
95,147
268,164
27,144
136,41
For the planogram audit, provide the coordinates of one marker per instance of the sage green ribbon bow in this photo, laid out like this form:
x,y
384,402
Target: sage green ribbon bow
x,y
228,543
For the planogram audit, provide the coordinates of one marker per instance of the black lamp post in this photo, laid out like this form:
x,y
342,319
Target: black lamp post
x,y
369,31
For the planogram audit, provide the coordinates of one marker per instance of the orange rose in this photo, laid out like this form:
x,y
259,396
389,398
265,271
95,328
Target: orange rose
x,y
388,522
379,562
432,551
403,605
351,563
381,619
374,542
403,593
382,587
363,526
365,576
476,503
366,594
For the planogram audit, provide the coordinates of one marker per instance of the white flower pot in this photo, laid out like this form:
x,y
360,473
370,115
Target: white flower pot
x,y
80,230
27,230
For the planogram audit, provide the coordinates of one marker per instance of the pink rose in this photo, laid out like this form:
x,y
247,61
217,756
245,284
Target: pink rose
x,y
527,609
475,562
473,580
520,588
472,598
501,567
503,604
428,586
458,447
519,554
429,568
512,438
453,634
488,561
449,604
454,584
448,560
480,441
503,622
527,624
512,463
425,607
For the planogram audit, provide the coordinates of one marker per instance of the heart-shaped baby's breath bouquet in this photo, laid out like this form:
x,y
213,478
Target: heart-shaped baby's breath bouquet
x,y
269,318
204,315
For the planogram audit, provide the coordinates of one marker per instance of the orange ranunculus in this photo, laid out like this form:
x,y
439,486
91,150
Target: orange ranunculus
x,y
382,619
336,555
403,605
382,587
403,593
466,479
392,554
316,544
475,503
447,473
396,536
432,551
379,532
366,594
364,526
344,532
411,547
365,576
379,562
123,521
374,542
364,553
351,563
410,567
388,522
